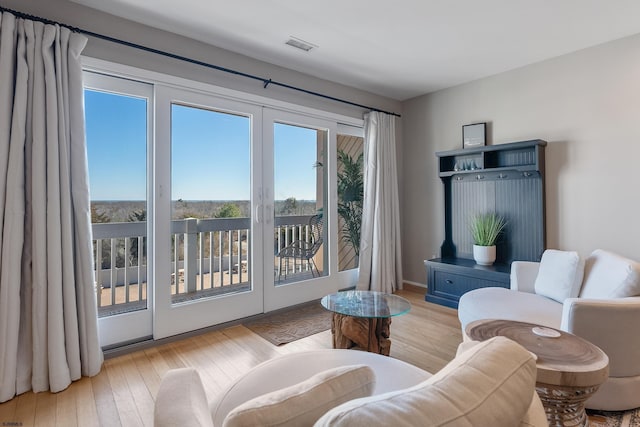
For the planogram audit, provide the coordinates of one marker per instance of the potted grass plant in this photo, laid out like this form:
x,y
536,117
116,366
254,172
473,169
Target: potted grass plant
x,y
485,230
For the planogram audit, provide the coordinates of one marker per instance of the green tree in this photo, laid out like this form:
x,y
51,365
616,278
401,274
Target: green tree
x,y
137,216
350,197
290,206
229,210
98,217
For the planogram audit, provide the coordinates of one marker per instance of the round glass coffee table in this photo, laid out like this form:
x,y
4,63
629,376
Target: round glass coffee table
x,y
361,319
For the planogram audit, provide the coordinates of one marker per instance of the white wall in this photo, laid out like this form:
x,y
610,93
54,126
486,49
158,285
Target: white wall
x,y
585,104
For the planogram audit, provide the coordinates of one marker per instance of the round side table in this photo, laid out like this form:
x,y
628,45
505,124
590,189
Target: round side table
x,y
570,369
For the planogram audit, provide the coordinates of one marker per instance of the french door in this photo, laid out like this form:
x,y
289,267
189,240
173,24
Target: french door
x,y
119,129
205,209
298,240
208,219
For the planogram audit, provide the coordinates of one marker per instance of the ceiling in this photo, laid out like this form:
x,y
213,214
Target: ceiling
x,y
399,49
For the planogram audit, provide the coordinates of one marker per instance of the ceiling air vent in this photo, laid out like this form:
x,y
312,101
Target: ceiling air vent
x,y
300,44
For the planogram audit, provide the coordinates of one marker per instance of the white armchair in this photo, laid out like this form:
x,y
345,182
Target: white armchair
x,y
612,321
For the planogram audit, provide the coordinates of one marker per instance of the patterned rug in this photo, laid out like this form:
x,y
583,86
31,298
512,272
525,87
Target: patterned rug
x,y
614,419
292,324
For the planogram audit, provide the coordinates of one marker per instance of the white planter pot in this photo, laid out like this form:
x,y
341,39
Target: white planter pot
x,y
484,255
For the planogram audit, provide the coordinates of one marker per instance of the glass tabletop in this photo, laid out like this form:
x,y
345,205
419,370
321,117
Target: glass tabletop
x,y
366,304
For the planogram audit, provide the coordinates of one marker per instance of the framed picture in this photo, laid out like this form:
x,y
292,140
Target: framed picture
x,y
474,135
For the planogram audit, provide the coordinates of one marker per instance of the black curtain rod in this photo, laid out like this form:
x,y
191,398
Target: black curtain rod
x,y
265,82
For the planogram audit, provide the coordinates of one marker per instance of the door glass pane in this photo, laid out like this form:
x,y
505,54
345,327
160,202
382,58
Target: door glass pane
x,y
116,131
300,198
210,193
350,198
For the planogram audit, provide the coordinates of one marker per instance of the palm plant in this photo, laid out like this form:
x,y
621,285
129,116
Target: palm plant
x,y
350,198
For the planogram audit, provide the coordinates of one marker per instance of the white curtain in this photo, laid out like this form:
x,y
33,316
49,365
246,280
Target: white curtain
x,y
48,314
380,252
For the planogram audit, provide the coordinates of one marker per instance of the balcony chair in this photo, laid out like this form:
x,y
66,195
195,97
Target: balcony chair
x,y
302,249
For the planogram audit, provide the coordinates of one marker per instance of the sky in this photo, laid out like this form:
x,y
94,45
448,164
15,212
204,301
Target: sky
x,y
210,153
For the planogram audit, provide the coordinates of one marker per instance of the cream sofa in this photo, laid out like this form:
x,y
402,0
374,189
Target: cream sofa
x,y
596,299
491,383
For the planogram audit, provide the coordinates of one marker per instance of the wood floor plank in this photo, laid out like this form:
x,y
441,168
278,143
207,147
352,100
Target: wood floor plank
x,y
86,410
66,408
144,400
157,361
124,392
45,409
122,395
26,409
8,411
203,357
147,372
105,401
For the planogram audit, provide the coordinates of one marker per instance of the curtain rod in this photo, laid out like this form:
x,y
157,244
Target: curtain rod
x,y
265,82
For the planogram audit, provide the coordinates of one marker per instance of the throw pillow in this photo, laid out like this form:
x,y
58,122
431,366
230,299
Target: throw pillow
x,y
305,402
560,275
608,275
491,384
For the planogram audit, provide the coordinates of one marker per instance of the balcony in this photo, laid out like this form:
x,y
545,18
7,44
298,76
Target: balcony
x,y
208,257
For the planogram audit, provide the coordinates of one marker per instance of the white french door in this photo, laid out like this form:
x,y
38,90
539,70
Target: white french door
x,y
207,223
196,197
299,158
119,129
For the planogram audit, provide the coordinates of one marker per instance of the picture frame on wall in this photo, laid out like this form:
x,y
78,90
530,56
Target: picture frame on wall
x,y
474,135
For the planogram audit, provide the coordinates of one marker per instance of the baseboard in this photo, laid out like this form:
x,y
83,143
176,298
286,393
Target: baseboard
x,y
414,287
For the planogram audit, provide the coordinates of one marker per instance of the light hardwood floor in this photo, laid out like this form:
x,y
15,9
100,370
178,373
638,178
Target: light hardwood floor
x,y
123,393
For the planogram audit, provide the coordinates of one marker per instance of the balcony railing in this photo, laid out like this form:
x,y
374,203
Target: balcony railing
x,y
208,256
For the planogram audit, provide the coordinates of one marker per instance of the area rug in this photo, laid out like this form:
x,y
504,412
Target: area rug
x,y
292,324
614,419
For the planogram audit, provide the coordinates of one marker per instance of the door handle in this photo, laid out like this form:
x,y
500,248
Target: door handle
x,y
258,210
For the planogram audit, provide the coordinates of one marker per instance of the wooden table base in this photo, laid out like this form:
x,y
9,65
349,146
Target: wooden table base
x,y
565,405
358,333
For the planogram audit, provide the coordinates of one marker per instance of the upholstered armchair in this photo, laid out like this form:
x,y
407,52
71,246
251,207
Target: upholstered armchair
x,y
596,300
488,384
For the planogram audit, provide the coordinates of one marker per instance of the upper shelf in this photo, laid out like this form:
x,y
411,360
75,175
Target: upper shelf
x,y
523,156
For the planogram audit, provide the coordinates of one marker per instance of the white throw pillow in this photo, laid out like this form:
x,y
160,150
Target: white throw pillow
x,y
608,275
491,384
303,403
560,275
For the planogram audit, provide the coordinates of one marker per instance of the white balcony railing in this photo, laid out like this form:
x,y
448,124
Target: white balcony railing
x,y
209,256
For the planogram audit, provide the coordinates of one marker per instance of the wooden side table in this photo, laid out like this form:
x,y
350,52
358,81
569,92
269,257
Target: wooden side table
x,y
570,369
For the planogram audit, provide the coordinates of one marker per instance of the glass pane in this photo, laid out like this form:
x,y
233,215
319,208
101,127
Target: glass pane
x,y
300,194
350,198
210,193
116,130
